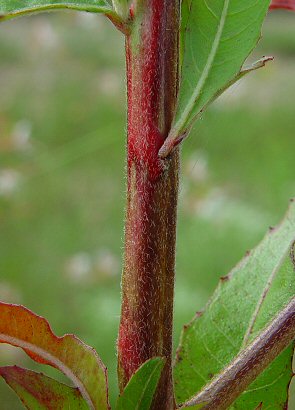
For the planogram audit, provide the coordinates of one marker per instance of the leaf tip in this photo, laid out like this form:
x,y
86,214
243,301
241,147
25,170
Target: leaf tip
x,y
263,61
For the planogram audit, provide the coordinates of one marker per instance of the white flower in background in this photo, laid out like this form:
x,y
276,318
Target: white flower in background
x,y
45,35
219,207
85,268
21,135
79,267
9,182
107,263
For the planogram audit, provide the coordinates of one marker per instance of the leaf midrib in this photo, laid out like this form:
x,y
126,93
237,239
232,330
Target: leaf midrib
x,y
147,383
263,296
94,8
205,73
51,359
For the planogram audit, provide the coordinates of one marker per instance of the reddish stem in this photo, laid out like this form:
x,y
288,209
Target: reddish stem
x,y
148,276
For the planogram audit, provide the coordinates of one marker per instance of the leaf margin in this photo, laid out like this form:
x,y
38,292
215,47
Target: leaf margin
x,y
42,356
186,114
54,6
223,280
157,364
18,378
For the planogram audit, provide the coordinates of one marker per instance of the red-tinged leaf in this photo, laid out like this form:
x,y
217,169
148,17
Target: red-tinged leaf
x,y
80,363
37,391
283,4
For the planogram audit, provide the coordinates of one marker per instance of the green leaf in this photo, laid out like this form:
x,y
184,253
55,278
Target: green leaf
x,y
140,390
174,139
14,8
217,37
185,13
39,392
246,70
80,363
244,303
121,7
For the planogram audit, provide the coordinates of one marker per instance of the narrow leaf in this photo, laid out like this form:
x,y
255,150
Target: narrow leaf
x,y
244,303
218,37
14,8
38,391
80,363
140,390
283,4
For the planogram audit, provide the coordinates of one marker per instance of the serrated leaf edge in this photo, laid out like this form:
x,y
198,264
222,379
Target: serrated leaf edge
x,y
52,360
228,277
5,373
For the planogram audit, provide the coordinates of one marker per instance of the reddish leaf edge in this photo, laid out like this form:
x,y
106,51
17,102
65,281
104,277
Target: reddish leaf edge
x,y
283,4
40,386
40,355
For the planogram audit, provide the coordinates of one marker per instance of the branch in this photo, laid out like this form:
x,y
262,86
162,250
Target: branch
x,y
223,390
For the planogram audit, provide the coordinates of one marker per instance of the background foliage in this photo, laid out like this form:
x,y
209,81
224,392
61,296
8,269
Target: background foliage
x,y
62,141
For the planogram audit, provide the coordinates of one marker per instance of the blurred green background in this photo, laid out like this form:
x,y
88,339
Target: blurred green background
x,y
62,183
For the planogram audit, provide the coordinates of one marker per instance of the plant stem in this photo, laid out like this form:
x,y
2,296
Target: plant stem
x,y
226,387
152,189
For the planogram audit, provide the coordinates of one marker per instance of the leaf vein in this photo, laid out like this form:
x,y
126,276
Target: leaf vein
x,y
263,296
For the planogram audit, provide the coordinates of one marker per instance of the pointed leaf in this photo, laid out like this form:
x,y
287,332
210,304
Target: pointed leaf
x,y
38,391
244,302
218,37
22,328
140,390
174,140
246,70
283,4
14,8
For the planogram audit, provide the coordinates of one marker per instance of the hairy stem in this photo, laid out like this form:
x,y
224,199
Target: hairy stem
x,y
152,188
226,387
